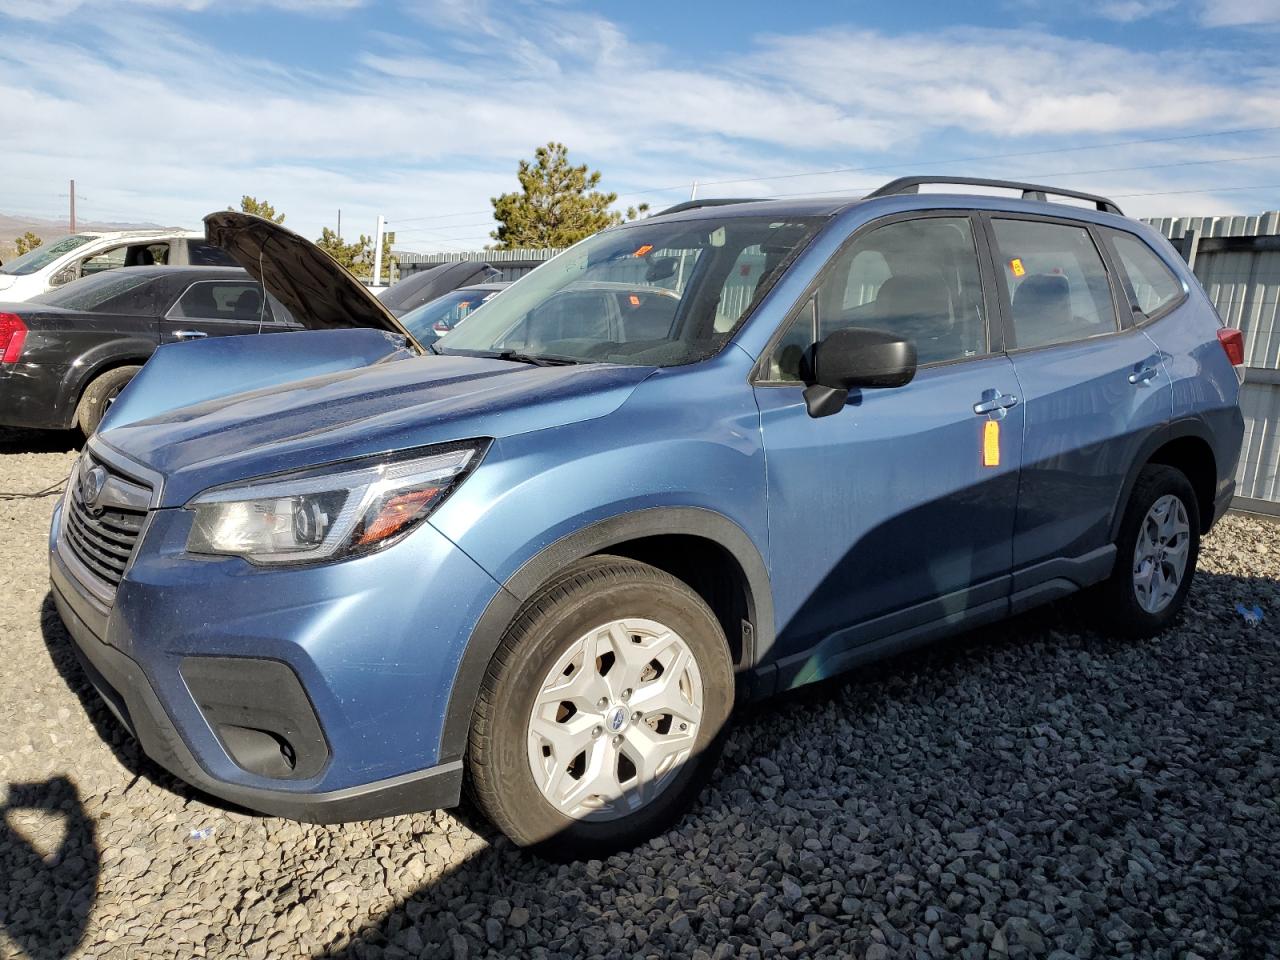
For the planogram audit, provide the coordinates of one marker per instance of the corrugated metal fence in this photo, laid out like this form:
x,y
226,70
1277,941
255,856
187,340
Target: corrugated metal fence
x,y
1237,260
512,264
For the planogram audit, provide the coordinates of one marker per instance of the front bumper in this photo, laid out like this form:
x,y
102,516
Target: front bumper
x,y
374,654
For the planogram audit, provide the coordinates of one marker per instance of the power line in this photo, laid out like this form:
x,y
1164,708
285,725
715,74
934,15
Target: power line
x,y
1117,196
1170,193
996,156
898,164
1059,173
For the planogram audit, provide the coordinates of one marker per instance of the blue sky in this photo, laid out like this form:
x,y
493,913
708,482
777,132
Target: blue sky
x,y
419,109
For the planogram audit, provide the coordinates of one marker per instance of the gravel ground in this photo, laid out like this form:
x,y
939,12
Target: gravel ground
x,y
1030,790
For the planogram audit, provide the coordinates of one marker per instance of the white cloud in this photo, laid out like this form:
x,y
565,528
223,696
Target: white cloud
x,y
156,124
50,10
1237,13
1130,11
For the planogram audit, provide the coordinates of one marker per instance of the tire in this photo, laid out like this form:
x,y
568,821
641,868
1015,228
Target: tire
x,y
1120,604
551,638
100,393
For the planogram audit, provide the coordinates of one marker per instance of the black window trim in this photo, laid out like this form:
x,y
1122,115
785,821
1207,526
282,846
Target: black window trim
x,y
263,320
1119,299
1140,317
995,332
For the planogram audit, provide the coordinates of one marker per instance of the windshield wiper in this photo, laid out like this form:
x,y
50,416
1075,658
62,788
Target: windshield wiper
x,y
537,361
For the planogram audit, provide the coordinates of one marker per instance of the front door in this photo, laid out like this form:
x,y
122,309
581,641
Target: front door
x,y
893,516
1094,391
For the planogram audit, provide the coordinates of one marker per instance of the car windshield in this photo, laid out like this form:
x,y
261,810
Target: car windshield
x,y
92,292
657,294
44,255
448,310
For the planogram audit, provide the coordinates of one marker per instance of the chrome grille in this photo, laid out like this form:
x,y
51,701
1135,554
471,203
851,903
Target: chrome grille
x,y
104,517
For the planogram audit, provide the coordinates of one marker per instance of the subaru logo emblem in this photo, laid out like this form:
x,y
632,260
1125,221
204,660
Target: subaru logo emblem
x,y
91,483
616,719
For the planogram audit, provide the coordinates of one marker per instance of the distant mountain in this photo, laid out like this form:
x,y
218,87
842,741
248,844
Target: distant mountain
x,y
15,225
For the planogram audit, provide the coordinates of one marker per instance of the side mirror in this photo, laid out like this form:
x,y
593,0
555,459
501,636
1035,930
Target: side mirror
x,y
65,275
851,358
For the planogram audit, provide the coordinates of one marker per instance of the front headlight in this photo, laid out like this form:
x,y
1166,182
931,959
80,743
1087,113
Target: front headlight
x,y
327,513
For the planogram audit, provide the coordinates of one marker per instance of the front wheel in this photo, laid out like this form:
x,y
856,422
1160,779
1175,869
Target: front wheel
x,y
603,711
1157,548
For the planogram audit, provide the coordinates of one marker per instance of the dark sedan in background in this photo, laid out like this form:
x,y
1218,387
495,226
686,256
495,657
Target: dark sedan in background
x,y
65,355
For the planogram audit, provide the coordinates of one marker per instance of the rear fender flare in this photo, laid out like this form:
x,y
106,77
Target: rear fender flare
x,y
1187,427
95,361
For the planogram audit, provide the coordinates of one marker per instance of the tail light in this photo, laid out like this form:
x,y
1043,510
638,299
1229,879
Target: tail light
x,y
13,334
1232,341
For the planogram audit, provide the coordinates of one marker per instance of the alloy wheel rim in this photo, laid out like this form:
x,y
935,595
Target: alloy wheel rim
x,y
1160,555
615,718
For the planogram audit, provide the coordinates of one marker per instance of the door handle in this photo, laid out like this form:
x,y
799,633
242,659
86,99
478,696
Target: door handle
x,y
189,334
1143,375
1001,401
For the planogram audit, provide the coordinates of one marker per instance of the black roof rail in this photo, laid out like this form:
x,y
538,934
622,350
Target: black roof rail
x,y
709,202
1030,191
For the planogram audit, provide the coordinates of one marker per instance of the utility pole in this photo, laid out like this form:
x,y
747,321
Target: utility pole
x,y
339,224
377,251
73,207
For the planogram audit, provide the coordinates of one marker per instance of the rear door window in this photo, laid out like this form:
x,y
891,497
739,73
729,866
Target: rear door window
x,y
221,300
1056,281
1149,283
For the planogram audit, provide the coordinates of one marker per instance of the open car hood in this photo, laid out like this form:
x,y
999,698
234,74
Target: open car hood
x,y
319,292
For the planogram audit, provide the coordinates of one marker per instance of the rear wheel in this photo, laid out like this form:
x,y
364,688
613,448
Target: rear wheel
x,y
602,713
1157,548
99,395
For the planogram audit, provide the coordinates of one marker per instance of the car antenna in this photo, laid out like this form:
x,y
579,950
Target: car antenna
x,y
262,305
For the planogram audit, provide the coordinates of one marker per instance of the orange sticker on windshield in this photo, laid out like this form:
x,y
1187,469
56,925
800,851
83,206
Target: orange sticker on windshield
x,y
643,249
991,443
635,301
1016,266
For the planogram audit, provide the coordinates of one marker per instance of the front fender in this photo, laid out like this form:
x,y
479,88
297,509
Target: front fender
x,y
681,456
597,538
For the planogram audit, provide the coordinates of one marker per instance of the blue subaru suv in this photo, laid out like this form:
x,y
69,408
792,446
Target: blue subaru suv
x,y
332,575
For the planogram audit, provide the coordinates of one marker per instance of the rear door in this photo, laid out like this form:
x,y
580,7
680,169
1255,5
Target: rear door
x,y
1094,391
893,516
217,308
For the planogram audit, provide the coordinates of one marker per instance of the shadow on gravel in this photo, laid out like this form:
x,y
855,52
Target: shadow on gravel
x,y
14,440
52,888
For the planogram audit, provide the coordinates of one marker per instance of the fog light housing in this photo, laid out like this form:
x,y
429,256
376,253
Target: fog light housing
x,y
260,714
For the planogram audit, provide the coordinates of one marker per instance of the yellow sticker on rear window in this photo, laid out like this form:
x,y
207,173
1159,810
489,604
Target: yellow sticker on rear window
x,y
991,443
1016,266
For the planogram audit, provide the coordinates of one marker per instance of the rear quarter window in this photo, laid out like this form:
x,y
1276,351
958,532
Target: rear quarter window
x,y
1150,284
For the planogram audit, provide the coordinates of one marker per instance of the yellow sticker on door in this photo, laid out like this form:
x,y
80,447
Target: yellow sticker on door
x,y
1016,266
991,443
